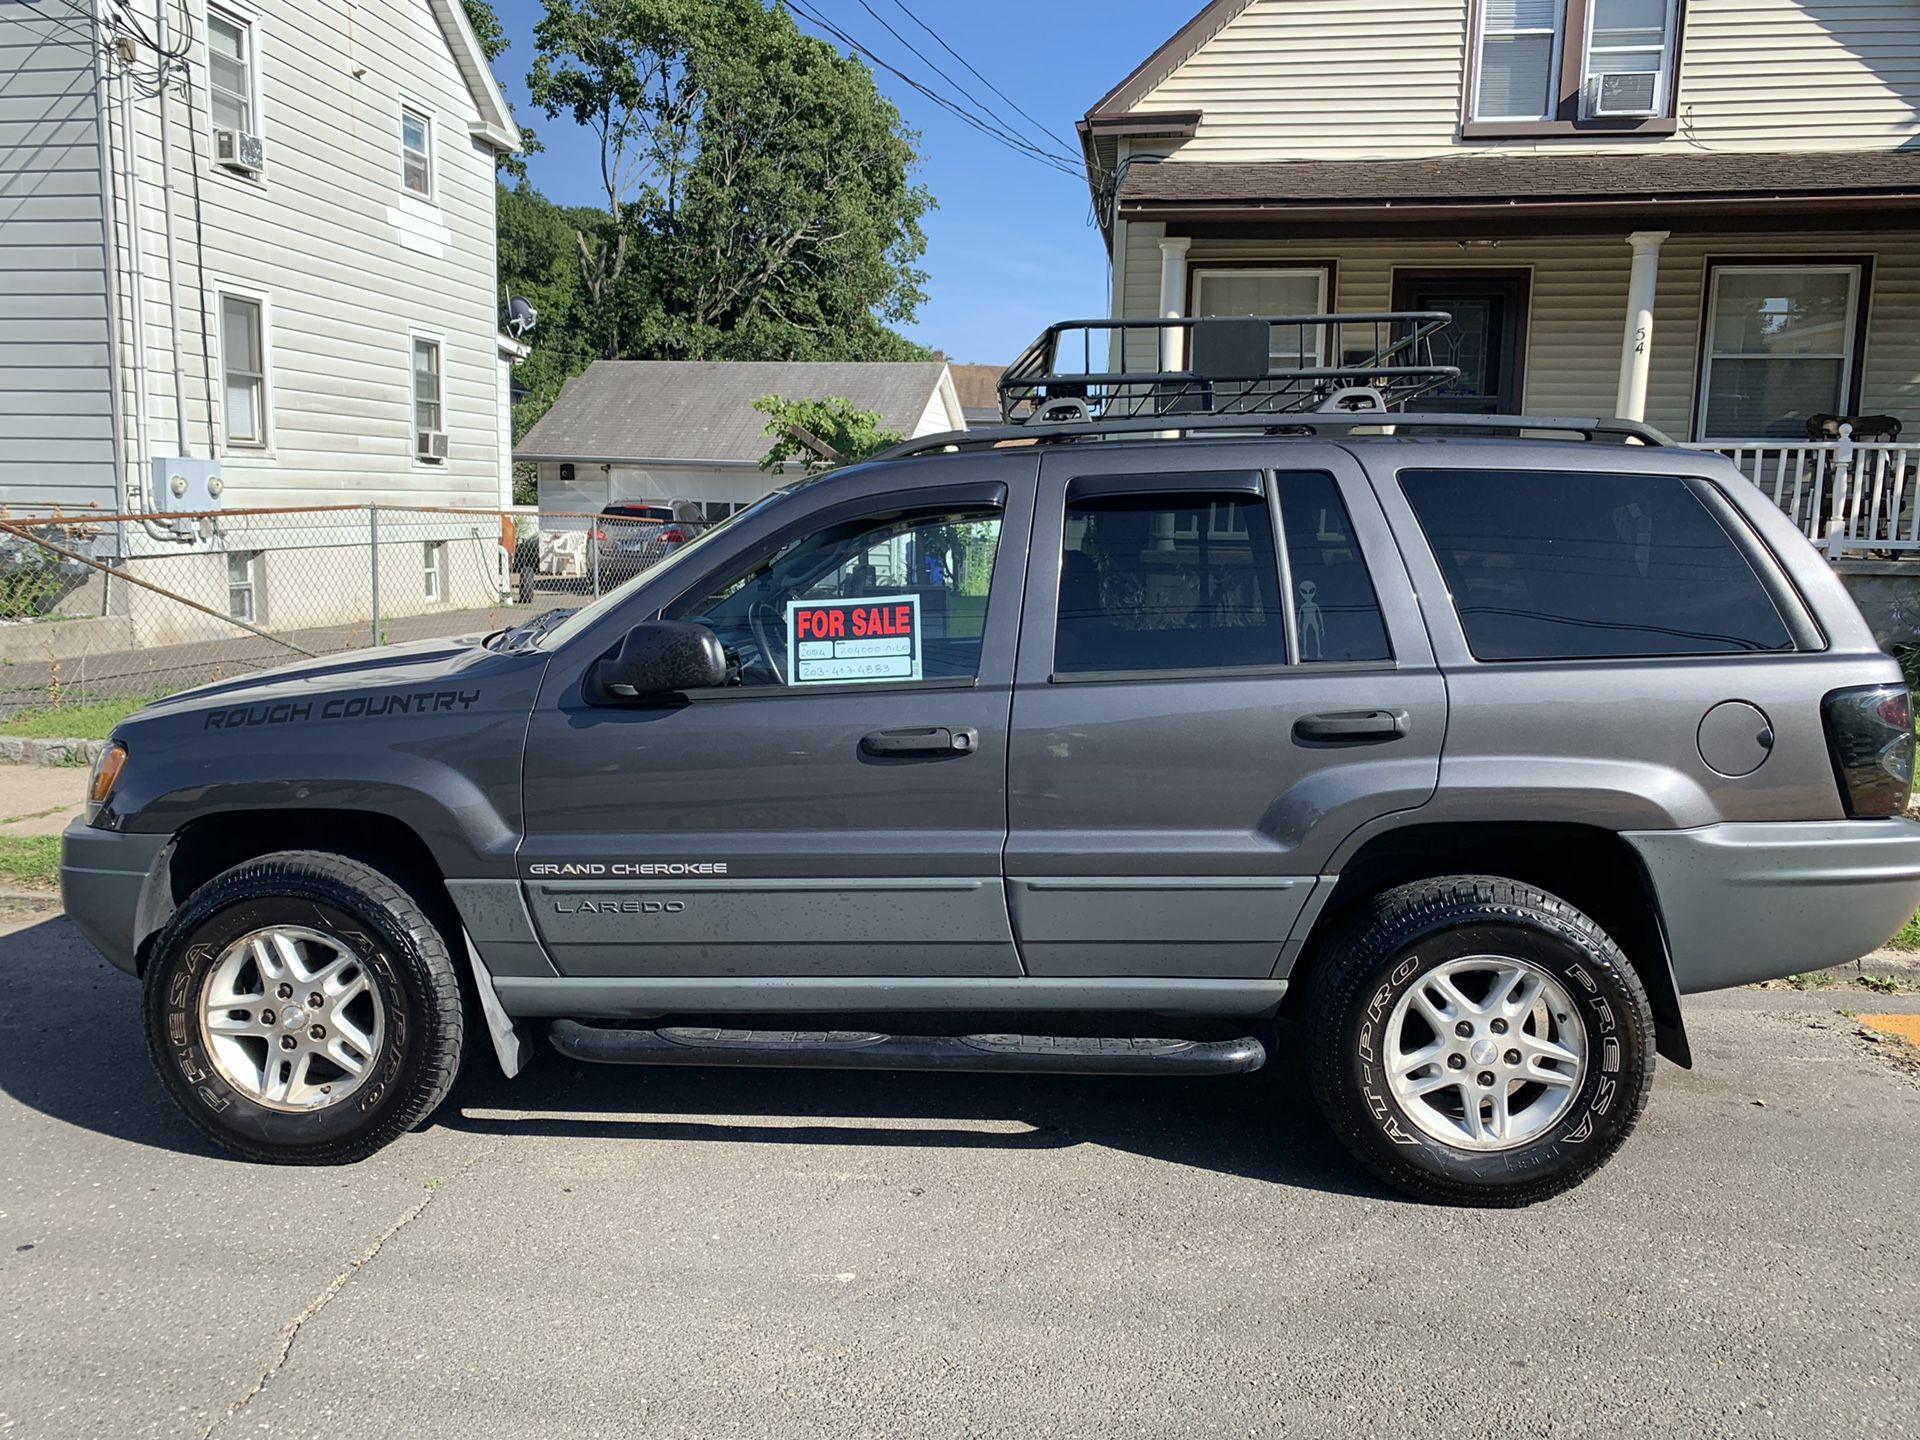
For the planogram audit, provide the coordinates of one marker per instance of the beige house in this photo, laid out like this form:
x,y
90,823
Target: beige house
x,y
1700,213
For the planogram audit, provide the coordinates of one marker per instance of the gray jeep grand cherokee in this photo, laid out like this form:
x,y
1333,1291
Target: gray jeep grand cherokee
x,y
1092,744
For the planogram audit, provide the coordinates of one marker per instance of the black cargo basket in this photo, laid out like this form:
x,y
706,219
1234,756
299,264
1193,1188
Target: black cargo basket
x,y
1082,370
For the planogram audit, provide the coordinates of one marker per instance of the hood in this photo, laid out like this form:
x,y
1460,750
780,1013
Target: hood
x,y
417,665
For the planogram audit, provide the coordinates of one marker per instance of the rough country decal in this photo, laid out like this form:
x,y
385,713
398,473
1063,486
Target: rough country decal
x,y
343,707
625,869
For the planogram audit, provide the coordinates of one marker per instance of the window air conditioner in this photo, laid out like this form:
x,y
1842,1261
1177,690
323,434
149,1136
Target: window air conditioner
x,y
430,444
237,150
1625,92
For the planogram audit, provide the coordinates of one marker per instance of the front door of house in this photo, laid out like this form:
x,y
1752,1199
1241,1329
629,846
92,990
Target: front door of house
x,y
1487,339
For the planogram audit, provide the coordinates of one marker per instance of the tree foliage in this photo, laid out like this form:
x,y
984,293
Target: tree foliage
x,y
757,199
850,433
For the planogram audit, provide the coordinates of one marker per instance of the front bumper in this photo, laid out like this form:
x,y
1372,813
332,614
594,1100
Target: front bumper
x,y
110,885
1755,902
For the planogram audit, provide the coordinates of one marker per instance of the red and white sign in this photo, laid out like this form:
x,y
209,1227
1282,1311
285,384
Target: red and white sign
x,y
839,642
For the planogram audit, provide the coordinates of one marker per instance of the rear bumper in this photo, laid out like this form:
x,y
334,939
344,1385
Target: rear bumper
x,y
104,887
1755,902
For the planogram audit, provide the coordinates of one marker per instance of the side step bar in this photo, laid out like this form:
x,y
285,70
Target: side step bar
x,y
870,1050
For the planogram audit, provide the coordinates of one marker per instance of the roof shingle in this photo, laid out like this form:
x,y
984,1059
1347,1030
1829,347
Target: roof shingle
x,y
702,410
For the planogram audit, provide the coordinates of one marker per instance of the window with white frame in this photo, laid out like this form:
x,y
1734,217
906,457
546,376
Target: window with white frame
x,y
1778,348
243,585
1594,63
230,72
434,573
243,366
1269,290
429,411
416,153
1626,57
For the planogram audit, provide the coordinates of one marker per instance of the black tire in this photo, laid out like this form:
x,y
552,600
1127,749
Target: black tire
x,y
405,957
1399,939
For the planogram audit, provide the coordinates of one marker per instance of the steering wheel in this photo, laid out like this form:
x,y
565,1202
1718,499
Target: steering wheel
x,y
761,616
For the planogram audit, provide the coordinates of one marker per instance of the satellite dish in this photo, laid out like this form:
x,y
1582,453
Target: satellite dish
x,y
521,315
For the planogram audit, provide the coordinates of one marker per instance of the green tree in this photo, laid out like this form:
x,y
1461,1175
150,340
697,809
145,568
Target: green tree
x,y
851,434
758,193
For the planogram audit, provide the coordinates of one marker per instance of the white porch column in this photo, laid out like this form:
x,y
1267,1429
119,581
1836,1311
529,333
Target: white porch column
x,y
1173,298
1636,343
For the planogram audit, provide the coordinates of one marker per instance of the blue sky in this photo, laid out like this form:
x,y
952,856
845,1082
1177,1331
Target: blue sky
x,y
1010,248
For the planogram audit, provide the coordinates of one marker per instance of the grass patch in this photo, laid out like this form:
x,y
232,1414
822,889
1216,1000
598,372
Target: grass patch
x,y
30,861
1812,980
87,720
1909,936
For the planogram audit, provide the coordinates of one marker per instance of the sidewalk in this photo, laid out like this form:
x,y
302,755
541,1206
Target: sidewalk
x,y
40,800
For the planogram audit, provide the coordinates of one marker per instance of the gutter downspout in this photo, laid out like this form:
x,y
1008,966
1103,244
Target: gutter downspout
x,y
1636,341
137,266
110,267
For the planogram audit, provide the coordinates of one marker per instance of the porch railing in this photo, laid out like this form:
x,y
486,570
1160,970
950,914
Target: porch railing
x,y
1845,495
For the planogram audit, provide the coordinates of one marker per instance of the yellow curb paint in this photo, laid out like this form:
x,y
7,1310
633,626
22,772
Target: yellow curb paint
x,y
1907,1027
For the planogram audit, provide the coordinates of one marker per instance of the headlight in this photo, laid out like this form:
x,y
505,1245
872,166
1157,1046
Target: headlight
x,y
106,774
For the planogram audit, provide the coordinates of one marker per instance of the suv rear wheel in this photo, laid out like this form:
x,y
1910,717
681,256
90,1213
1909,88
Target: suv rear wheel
x,y
301,1008
1476,1041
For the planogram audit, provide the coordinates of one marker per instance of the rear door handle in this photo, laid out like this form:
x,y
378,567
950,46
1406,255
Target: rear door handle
x,y
926,740
1372,725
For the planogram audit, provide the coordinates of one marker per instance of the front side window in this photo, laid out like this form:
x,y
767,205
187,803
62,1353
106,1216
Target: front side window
x,y
1178,580
244,371
230,72
1779,348
428,413
243,569
416,154
888,598
1543,565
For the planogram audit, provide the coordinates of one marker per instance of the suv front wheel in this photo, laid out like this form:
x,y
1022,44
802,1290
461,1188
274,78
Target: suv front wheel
x,y
1477,1041
301,1008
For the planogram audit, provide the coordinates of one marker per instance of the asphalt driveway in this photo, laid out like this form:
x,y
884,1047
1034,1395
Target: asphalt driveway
x,y
686,1253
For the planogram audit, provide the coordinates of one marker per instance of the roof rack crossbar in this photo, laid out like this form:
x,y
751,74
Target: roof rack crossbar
x,y
1338,422
1246,365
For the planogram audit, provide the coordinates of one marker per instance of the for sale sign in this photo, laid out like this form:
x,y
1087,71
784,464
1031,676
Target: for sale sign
x,y
873,638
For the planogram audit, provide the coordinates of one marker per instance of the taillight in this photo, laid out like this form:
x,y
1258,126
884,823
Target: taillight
x,y
673,537
1870,736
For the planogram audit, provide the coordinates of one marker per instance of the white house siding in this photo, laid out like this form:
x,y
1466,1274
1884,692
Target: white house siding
x,y
1359,80
1579,303
56,415
349,266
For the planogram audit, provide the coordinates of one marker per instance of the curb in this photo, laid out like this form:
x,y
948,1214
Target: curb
x,y
43,900
17,751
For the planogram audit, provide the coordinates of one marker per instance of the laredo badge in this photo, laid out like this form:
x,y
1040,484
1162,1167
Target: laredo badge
x,y
838,641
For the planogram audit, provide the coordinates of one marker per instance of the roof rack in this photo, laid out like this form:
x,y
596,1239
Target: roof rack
x,y
1310,423
1218,365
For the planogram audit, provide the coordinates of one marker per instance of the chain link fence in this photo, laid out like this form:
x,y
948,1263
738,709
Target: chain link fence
x,y
113,610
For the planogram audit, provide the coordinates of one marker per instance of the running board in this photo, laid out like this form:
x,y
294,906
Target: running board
x,y
870,1050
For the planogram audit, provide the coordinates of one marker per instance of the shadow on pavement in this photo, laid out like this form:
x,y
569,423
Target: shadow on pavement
x,y
55,991
1263,1126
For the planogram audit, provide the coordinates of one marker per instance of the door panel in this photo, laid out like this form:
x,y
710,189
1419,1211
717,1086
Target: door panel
x,y
1172,824
750,832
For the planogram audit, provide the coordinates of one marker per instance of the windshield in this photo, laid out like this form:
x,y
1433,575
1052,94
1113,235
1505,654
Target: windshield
x,y
579,620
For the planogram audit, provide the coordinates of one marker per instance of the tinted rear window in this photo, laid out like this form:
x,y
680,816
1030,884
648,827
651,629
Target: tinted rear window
x,y
1546,565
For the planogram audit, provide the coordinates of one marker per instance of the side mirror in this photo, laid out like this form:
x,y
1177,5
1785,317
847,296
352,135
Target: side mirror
x,y
658,657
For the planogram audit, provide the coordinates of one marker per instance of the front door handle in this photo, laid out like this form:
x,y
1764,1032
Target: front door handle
x,y
925,740
1365,725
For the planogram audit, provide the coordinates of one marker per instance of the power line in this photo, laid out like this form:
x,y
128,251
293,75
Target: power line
x,y
1012,142
906,10
1000,121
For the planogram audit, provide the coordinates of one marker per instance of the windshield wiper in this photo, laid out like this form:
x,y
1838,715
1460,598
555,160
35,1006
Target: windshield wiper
x,y
533,629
